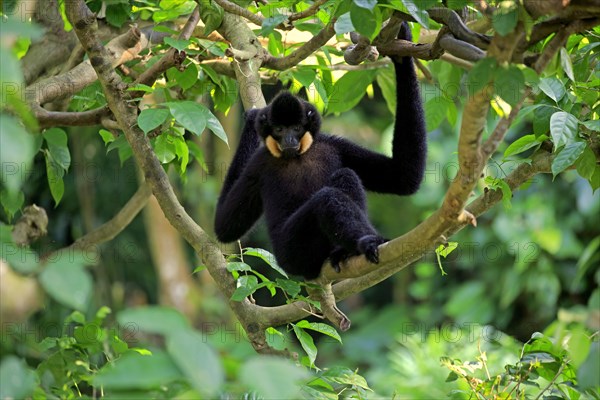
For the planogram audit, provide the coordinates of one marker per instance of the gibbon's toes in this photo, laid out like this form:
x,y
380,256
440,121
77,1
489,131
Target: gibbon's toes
x,y
336,257
368,245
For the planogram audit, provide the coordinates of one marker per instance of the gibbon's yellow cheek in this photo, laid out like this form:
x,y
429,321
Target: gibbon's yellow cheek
x,y
272,146
305,142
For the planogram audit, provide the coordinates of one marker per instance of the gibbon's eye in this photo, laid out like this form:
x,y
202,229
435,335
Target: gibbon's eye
x,y
278,130
309,113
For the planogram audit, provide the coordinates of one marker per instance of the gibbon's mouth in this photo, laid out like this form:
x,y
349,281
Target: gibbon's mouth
x,y
291,150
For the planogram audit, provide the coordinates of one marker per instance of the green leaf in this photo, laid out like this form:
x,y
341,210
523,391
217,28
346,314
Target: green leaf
x,y
136,371
306,76
510,84
184,79
107,136
12,202
321,328
343,24
418,12
122,147
247,284
553,88
215,126
54,173
386,79
67,281
183,153
566,64
192,116
368,4
563,128
586,163
348,90
366,22
16,152
345,376
436,110
140,87
259,372
595,179
197,360
266,257
238,266
164,149
270,23
457,4
505,18
567,157
151,118
588,374
307,343
18,381
444,250
152,319
211,14
56,140
481,74
523,143
593,125
292,288
179,44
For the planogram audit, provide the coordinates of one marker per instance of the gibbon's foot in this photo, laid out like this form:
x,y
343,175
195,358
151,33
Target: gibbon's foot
x,y
368,245
337,256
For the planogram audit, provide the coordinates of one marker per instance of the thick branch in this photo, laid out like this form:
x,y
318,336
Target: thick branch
x,y
65,118
458,28
243,39
85,26
234,9
359,274
121,49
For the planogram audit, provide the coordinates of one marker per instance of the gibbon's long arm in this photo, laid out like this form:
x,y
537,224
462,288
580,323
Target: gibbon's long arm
x,y
402,174
240,204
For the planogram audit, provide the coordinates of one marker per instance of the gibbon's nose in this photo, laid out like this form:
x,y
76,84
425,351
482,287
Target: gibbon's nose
x,y
290,146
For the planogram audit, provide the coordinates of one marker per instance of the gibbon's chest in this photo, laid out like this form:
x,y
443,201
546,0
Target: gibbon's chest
x,y
292,182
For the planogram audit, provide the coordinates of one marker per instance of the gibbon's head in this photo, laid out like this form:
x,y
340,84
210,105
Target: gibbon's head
x,y
288,125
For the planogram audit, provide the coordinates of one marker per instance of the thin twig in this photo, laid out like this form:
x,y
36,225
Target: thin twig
x,y
116,224
313,9
317,41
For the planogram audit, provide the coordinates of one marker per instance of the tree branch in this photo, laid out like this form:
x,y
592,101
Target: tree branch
x,y
116,224
313,9
301,53
358,274
234,9
85,25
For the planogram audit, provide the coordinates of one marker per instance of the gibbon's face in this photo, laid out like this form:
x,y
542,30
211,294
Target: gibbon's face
x,y
288,126
288,141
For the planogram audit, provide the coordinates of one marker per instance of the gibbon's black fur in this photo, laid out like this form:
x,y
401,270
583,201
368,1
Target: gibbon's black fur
x,y
311,186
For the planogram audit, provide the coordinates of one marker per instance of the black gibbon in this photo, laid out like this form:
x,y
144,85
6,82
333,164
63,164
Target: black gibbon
x,y
311,186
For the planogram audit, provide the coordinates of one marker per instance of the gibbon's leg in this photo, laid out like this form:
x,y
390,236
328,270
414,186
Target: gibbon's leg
x,y
332,223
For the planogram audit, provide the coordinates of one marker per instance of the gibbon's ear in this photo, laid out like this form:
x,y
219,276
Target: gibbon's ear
x,y
313,119
261,123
